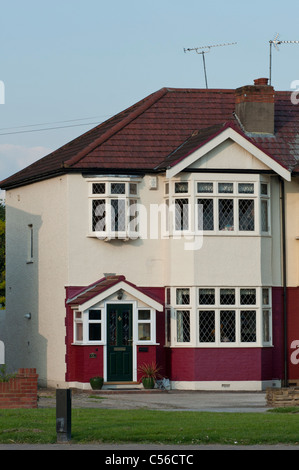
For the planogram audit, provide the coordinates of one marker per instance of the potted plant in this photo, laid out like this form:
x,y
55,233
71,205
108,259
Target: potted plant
x,y
150,373
96,383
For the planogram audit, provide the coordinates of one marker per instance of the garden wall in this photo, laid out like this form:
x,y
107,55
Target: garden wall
x,y
20,391
282,397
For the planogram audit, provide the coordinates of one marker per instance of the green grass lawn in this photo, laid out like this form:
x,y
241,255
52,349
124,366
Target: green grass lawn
x,y
143,426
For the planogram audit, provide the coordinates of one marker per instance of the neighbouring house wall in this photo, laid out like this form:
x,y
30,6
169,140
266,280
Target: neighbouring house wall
x,y
35,286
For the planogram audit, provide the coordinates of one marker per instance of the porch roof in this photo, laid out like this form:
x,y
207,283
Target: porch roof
x,y
110,284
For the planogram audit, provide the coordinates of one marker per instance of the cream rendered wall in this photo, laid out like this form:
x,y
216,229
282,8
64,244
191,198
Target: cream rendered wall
x,y
142,261
37,287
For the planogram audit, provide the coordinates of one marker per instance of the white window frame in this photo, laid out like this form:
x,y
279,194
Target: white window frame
x,y
150,322
131,200
89,322
170,200
266,198
83,319
237,307
235,196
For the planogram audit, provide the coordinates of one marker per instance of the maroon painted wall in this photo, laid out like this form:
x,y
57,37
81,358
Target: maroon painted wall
x,y
202,364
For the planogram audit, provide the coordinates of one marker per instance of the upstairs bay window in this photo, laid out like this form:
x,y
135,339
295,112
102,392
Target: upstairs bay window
x,y
232,207
114,209
217,207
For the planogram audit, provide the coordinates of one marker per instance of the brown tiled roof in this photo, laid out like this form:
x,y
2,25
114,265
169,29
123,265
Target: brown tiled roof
x,y
141,138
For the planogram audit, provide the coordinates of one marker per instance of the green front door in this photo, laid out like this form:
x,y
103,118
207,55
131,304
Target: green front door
x,y
119,343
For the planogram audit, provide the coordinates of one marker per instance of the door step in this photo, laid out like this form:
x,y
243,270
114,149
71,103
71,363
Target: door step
x,y
122,386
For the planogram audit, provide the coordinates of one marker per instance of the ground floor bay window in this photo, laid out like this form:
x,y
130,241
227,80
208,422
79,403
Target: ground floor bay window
x,y
219,317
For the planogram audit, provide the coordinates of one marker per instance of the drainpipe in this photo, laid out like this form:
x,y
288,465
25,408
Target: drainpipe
x,y
284,274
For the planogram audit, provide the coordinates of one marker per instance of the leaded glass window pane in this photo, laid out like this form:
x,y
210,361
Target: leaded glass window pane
x,y
266,326
205,214
204,187
118,188
227,326
118,215
98,188
226,187
264,189
183,296
206,296
181,214
266,296
226,214
264,216
181,187
133,188
246,188
206,326
248,326
183,326
168,325
248,296
246,214
227,297
99,215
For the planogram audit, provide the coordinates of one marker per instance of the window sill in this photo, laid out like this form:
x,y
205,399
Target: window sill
x,y
95,343
122,236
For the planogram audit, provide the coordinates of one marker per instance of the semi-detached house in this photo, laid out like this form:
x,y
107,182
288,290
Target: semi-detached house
x,y
168,233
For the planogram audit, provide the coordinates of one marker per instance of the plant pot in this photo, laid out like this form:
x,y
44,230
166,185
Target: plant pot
x,y
96,383
148,382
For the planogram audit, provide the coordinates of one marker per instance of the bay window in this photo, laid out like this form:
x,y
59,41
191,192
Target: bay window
x,y
114,209
223,316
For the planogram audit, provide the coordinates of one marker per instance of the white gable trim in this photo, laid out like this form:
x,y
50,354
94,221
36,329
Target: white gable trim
x,y
239,139
127,288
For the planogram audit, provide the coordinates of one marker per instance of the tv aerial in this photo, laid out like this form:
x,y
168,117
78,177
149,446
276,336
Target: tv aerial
x,y
204,50
275,42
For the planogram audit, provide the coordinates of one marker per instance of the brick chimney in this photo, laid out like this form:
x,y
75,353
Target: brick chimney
x,y
254,106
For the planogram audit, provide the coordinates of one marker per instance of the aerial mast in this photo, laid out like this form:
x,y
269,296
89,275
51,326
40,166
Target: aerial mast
x,y
275,42
203,50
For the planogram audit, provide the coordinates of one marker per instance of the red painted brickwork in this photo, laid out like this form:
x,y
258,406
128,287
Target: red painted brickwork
x,y
20,391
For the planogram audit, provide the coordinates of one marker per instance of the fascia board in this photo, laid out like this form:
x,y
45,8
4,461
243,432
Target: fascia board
x,y
219,139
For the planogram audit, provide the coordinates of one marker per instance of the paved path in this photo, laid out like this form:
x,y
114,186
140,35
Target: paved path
x,y
166,400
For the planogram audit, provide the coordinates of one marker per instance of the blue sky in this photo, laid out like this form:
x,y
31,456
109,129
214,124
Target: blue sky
x,y
68,62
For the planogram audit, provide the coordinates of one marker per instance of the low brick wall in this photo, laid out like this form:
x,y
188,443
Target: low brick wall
x,y
282,397
20,391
